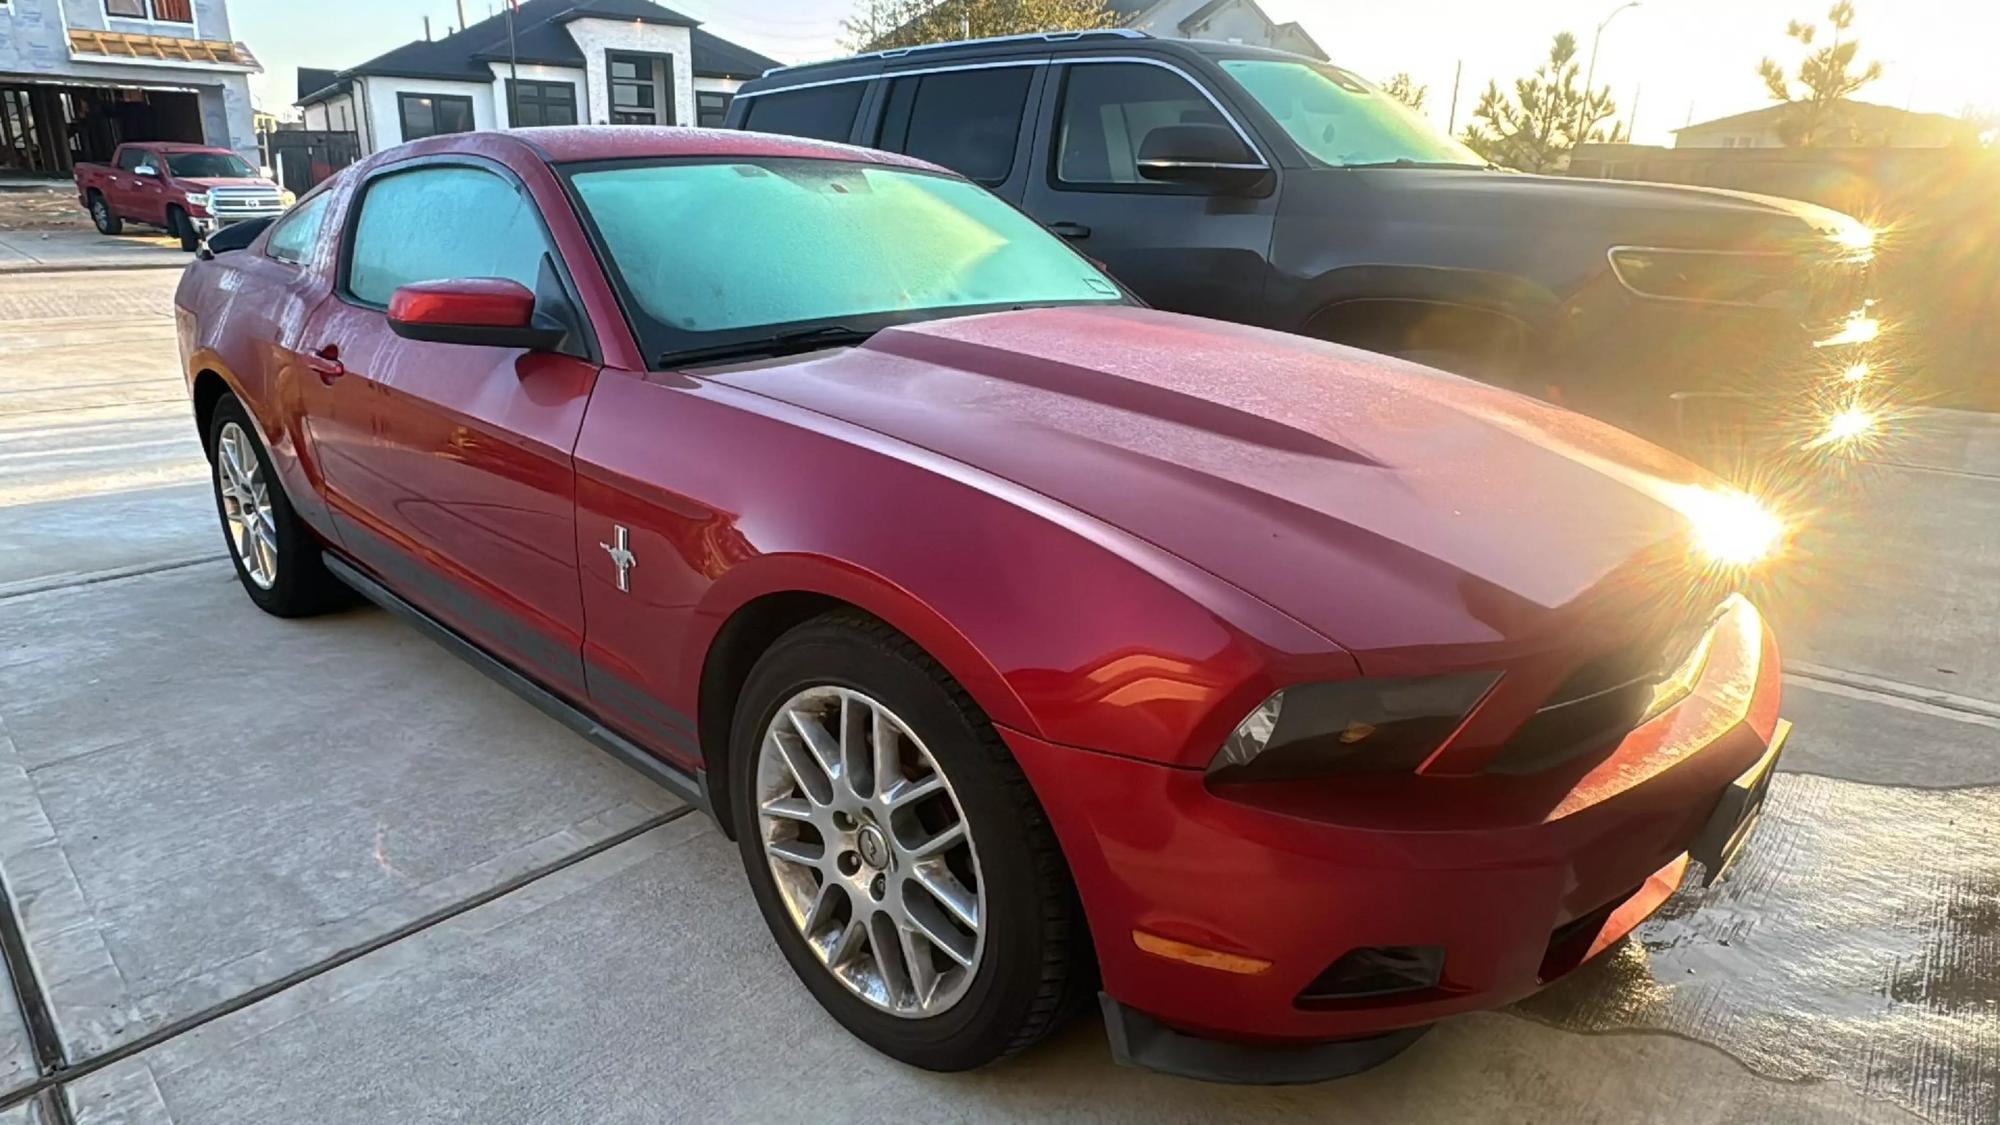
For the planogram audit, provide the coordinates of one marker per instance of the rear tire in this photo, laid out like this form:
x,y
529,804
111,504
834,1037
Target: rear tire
x,y
183,228
101,214
277,557
1029,951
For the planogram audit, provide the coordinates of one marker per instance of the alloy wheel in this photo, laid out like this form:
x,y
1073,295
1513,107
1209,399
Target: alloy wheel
x,y
870,851
246,505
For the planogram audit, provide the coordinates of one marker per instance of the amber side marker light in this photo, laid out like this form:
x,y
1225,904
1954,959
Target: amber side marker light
x,y
1198,955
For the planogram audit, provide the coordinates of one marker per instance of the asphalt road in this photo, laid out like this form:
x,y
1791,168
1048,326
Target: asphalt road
x,y
267,871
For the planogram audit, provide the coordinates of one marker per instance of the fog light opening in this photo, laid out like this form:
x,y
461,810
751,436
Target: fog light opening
x,y
1375,971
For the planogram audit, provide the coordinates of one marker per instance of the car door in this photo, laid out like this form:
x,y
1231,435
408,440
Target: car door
x,y
136,186
969,119
448,465
1185,247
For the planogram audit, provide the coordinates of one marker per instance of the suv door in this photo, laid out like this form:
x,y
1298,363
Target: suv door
x,y
969,119
1185,247
449,465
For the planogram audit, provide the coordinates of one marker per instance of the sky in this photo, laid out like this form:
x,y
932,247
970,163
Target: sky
x,y
1683,60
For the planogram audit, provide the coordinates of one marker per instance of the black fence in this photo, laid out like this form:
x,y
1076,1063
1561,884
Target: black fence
x,y
301,158
1938,253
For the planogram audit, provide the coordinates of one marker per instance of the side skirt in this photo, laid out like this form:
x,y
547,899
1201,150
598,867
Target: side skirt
x,y
692,788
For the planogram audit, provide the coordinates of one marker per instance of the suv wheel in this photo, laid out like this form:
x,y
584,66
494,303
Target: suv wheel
x,y
898,855
101,214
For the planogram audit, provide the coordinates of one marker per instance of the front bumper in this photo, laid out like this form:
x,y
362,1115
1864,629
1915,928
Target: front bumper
x,y
1508,903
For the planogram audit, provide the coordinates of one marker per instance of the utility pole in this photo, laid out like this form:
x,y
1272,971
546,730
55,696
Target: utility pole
x,y
1451,117
1632,117
462,25
427,29
1590,73
513,66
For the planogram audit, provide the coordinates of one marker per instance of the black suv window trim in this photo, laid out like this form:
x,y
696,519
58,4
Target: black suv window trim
x,y
1187,76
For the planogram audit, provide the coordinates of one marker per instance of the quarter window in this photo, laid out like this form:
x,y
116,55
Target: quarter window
x,y
542,103
966,120
436,223
293,239
822,113
433,115
1107,111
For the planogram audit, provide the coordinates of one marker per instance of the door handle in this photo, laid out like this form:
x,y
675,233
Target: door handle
x,y
1070,230
326,364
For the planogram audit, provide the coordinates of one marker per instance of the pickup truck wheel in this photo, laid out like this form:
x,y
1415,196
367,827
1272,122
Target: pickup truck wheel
x,y
100,213
182,227
899,857
276,556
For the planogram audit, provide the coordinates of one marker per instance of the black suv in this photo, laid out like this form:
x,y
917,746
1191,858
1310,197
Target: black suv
x,y
1271,189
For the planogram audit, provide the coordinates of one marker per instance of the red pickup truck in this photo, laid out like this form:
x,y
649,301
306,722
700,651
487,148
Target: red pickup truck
x,y
190,190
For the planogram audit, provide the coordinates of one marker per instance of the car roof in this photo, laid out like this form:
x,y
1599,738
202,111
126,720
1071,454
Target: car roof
x,y
176,146
577,144
1118,40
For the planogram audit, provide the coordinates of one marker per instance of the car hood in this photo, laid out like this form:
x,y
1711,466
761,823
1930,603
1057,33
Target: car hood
x,y
1396,509
1621,211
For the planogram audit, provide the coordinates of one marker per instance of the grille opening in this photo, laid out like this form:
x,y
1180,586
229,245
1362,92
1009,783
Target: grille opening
x,y
1570,941
1375,971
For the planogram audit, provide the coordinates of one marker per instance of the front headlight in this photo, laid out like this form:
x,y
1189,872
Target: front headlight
x,y
1353,726
1771,280
197,199
287,198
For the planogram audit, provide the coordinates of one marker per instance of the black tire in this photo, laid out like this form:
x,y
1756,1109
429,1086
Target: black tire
x,y
1036,968
101,214
303,586
183,228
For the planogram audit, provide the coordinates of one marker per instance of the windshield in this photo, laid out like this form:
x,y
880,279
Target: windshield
x,y
710,254
209,166
1340,119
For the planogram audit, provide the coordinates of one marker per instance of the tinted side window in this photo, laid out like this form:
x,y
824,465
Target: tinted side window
x,y
130,159
1107,111
443,222
966,120
823,113
293,239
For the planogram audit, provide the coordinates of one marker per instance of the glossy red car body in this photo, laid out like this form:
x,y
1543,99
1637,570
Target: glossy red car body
x,y
1119,530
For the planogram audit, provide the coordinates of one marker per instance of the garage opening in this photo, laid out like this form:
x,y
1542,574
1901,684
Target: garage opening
x,y
48,129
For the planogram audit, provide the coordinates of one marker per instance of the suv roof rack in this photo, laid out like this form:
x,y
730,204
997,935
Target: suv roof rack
x,y
1042,36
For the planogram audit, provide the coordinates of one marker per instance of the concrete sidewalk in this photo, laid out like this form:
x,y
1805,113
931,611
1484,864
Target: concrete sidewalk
x,y
59,251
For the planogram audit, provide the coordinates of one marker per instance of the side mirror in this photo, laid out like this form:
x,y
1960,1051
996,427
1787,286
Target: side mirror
x,y
1199,154
485,311
146,170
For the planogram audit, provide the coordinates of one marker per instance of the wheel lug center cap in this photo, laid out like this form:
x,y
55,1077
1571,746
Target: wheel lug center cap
x,y
873,846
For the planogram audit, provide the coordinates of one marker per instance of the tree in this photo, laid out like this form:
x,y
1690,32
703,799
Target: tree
x,y
1404,89
1814,115
1547,115
878,25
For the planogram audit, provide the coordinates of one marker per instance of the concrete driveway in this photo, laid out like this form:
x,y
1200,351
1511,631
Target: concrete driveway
x,y
268,871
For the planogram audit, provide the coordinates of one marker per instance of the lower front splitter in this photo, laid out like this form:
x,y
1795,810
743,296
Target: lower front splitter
x,y
1138,1040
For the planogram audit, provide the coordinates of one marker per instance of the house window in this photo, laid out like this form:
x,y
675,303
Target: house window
x,y
163,11
635,91
711,107
431,115
542,103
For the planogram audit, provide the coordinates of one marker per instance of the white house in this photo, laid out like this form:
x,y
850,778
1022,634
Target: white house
x,y
1231,21
617,62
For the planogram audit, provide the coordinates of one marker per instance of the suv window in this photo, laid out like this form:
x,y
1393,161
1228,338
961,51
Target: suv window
x,y
822,113
966,120
1107,111
442,222
293,239
129,159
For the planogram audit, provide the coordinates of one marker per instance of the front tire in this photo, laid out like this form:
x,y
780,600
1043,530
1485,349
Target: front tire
x,y
183,228
107,222
899,856
276,556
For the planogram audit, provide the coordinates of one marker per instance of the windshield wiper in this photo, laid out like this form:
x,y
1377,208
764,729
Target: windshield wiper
x,y
780,343
1406,162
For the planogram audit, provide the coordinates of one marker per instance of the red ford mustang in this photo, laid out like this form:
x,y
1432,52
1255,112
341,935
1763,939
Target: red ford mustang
x,y
1025,638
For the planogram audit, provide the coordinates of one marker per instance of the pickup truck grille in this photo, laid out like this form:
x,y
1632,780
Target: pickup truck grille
x,y
233,204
